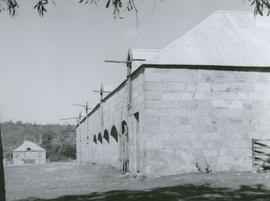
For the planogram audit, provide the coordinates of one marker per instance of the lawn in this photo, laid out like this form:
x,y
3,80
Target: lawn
x,y
74,182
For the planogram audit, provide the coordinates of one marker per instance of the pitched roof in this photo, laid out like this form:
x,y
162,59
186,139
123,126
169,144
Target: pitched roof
x,y
233,38
28,146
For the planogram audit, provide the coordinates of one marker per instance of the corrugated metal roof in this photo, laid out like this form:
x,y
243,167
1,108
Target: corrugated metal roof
x,y
233,38
28,146
146,54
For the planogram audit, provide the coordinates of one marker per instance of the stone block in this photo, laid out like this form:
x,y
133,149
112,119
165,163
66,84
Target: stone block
x,y
176,86
203,86
220,103
177,96
156,86
210,153
160,104
153,77
236,104
255,96
262,87
153,120
198,145
188,104
241,96
203,95
191,86
178,75
153,95
242,86
221,86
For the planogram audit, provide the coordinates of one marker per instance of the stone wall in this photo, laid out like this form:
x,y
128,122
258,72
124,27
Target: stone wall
x,y
106,120
204,116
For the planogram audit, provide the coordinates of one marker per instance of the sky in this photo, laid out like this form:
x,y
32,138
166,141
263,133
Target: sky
x,y
49,63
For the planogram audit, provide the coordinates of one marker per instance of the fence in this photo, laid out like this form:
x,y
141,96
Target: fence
x,y
260,151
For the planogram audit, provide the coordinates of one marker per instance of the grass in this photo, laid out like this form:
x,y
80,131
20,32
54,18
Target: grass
x,y
83,182
175,193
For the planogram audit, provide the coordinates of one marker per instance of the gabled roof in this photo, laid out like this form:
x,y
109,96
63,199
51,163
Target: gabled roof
x,y
229,38
144,54
28,146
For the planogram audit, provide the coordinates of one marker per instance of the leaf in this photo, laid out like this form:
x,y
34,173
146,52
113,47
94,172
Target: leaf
x,y
108,4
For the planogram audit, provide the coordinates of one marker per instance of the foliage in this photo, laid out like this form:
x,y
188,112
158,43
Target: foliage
x,y
116,5
41,6
58,140
260,6
205,169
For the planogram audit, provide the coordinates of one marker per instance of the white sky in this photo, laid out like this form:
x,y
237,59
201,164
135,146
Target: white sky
x,y
46,64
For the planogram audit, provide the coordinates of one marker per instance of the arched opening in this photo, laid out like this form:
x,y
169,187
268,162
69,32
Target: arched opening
x,y
125,154
114,133
106,136
125,129
100,137
95,139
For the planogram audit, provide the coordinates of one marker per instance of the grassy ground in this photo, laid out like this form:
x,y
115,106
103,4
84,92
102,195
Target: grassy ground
x,y
74,182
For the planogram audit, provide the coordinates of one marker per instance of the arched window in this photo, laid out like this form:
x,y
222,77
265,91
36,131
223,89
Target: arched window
x,y
125,129
95,139
106,136
100,137
114,133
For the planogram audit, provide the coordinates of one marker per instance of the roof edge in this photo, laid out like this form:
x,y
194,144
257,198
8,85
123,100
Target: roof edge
x,y
210,67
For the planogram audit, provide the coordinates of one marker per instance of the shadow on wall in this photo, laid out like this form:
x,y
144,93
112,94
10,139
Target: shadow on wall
x,y
180,193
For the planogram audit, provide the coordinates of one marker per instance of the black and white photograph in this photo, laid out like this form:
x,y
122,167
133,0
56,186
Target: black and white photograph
x,y
134,100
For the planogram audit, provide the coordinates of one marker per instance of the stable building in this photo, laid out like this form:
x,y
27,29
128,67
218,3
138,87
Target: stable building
x,y
29,153
198,103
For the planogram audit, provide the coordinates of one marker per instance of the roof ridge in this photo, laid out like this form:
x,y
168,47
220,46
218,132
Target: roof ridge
x,y
27,142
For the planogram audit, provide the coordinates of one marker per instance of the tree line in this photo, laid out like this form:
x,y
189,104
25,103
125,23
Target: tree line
x,y
58,140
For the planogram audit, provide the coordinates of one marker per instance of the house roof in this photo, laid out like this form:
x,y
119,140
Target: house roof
x,y
229,38
29,146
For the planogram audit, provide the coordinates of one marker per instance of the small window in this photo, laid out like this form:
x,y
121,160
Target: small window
x,y
100,137
95,139
28,149
106,136
114,133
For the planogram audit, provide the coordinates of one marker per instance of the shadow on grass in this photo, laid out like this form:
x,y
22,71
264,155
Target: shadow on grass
x,y
176,193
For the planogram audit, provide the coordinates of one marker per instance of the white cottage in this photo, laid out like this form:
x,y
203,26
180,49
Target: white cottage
x,y
29,153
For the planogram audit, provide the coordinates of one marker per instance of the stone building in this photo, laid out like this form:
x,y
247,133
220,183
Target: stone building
x,y
197,102
29,153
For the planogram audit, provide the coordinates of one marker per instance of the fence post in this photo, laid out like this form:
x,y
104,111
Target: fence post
x,y
2,175
253,154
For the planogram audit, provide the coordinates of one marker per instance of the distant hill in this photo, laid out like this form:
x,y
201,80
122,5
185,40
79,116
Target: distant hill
x,y
58,140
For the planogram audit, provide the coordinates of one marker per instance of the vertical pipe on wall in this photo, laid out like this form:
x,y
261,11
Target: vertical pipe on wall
x,y
129,82
101,115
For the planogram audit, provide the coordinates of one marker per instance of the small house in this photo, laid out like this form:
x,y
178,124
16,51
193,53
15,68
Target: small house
x,y
29,153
